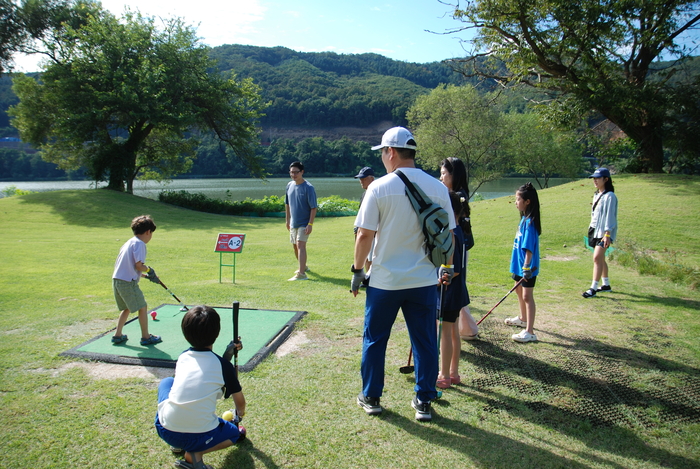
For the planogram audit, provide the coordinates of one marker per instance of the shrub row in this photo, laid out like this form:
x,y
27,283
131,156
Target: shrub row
x,y
272,205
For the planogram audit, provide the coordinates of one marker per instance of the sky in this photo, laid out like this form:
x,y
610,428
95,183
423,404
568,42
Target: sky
x,y
407,30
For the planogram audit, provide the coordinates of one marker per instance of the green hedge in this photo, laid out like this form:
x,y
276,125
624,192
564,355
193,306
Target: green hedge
x,y
268,206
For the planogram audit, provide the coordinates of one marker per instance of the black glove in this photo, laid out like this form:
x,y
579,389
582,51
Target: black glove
x,y
151,275
231,348
358,275
527,272
446,271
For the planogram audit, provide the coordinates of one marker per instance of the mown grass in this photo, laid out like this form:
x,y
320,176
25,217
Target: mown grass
x,y
520,406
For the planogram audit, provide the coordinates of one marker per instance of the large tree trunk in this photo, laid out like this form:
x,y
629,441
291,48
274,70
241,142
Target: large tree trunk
x,y
652,153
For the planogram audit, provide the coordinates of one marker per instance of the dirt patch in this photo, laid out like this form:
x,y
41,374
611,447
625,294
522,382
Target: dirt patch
x,y
292,344
99,370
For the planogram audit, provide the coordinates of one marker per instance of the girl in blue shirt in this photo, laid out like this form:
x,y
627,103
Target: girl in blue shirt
x,y
525,260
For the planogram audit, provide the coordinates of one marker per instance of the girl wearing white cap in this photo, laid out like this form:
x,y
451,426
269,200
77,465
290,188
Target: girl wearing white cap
x,y
603,229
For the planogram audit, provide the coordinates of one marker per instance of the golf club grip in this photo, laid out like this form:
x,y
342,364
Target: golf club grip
x,y
502,299
236,308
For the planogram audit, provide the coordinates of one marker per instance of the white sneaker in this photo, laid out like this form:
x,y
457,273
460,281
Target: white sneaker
x,y
524,336
516,321
298,276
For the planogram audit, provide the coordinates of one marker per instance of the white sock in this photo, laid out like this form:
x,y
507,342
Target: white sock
x,y
594,286
606,282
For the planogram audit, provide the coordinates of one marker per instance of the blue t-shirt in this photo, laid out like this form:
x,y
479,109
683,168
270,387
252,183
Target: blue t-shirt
x,y
301,198
526,239
455,295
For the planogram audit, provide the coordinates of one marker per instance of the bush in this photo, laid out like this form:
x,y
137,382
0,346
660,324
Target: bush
x,y
267,206
10,191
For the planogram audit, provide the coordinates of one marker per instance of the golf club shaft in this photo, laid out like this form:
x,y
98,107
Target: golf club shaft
x,y
172,294
236,309
502,299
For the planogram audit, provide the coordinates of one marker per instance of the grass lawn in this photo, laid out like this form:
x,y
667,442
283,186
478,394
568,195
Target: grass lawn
x,y
614,381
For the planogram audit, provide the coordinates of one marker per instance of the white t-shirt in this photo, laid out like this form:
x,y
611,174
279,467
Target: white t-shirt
x,y
399,261
131,252
201,377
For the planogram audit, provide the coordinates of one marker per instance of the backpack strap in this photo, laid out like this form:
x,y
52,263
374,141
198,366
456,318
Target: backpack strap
x,y
412,189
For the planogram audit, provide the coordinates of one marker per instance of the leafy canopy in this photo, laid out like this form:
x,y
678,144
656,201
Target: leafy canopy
x,y
124,98
598,53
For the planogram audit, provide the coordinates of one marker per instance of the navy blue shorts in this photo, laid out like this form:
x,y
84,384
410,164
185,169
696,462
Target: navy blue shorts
x,y
527,283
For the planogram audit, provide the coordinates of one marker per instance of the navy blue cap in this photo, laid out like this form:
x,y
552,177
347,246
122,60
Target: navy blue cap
x,y
364,172
600,173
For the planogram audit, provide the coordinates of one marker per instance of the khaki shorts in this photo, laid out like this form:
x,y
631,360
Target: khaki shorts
x,y
298,234
128,295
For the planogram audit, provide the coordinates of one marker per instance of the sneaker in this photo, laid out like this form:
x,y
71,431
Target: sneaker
x,y
153,339
516,321
298,276
369,404
119,339
524,336
589,293
605,288
422,409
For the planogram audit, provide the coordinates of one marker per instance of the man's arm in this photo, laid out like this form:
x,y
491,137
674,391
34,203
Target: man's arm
x,y
363,243
287,215
312,217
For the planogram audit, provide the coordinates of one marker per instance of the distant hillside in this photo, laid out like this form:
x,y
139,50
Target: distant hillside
x,y
324,90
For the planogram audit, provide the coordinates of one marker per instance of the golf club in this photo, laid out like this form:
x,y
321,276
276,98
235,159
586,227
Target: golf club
x,y
408,368
184,307
442,288
231,349
509,292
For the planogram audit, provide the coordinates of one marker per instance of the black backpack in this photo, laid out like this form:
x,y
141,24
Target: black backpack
x,y
434,221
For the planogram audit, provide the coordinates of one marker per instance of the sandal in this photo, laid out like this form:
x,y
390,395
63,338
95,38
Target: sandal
x,y
444,383
469,337
589,293
153,339
456,379
119,339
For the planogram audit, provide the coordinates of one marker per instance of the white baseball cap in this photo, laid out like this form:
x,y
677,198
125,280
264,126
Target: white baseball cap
x,y
397,137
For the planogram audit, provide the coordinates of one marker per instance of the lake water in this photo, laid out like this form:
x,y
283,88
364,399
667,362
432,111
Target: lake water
x,y
239,189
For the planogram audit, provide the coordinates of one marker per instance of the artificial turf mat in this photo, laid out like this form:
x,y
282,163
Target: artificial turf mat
x,y
261,331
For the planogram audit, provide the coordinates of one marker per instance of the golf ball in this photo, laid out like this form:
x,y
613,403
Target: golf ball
x,y
153,315
228,415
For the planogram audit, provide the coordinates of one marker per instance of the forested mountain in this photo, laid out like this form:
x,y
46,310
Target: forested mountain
x,y
325,89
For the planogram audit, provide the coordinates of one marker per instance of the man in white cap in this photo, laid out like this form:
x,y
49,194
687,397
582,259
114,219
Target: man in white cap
x,y
403,277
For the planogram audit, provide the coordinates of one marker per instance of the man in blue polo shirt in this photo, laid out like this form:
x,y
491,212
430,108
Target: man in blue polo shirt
x,y
300,209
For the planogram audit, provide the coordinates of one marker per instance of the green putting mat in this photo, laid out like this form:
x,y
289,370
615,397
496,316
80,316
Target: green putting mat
x,y
261,331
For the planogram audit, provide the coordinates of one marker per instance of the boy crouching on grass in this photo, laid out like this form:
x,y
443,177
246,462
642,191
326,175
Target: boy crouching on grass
x,y
186,416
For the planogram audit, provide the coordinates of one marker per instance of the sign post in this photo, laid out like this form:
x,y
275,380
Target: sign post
x,y
229,242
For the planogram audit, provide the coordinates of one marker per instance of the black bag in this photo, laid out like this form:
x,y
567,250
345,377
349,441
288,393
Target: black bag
x,y
591,240
434,221
466,225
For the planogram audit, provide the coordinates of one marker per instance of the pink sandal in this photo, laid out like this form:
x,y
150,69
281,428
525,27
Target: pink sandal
x,y
455,379
444,383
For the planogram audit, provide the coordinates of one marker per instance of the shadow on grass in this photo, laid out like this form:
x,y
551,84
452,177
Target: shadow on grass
x,y
587,389
481,447
660,300
614,440
101,208
244,457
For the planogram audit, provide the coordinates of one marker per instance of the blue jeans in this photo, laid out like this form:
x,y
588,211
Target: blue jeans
x,y
419,309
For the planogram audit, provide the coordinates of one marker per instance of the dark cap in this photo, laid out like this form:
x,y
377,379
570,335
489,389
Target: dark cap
x,y
364,172
600,173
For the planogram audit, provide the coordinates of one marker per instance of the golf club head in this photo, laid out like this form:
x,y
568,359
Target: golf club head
x,y
406,369
439,394
184,308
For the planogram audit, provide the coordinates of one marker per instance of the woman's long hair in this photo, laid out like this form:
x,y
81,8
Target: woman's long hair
x,y
458,171
527,192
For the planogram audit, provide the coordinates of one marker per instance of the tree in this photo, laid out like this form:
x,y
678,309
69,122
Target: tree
x,y
597,53
123,97
541,152
456,121
24,24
